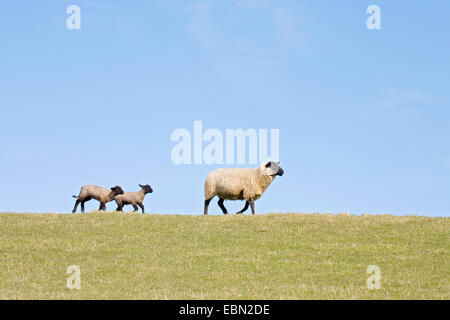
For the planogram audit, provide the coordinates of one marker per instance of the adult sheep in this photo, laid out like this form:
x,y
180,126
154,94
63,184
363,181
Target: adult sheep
x,y
103,195
240,184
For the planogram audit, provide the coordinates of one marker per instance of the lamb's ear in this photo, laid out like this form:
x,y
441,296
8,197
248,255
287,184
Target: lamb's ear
x,y
141,186
268,164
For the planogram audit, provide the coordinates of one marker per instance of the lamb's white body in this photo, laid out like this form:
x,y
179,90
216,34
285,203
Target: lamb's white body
x,y
103,195
133,198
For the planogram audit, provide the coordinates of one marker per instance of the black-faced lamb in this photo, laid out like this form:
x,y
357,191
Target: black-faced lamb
x,y
103,195
240,184
133,198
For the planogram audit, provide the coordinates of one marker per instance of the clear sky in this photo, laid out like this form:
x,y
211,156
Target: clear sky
x,y
364,115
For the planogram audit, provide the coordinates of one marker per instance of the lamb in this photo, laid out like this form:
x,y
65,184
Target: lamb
x,y
103,195
133,198
240,184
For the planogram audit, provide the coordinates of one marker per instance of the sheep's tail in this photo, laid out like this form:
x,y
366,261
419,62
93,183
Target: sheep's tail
x,y
74,196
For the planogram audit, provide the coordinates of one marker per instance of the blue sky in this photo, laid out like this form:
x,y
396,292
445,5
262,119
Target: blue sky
x,y
363,114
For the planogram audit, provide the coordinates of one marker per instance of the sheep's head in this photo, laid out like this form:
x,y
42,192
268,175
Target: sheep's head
x,y
117,190
271,168
146,188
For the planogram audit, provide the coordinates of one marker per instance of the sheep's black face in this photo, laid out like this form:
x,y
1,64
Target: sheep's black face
x,y
146,188
117,190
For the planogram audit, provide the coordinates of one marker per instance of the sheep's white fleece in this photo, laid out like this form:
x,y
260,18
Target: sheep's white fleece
x,y
237,183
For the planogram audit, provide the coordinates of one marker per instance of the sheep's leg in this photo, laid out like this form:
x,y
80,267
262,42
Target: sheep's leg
x,y
205,211
252,205
135,208
243,209
220,203
102,206
142,207
76,206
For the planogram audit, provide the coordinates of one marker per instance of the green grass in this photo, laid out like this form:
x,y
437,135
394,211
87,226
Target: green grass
x,y
275,256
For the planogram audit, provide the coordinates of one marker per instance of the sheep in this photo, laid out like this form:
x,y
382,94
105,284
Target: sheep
x,y
133,198
240,184
103,195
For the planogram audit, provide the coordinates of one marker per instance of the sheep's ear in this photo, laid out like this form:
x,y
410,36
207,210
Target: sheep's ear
x,y
268,164
141,186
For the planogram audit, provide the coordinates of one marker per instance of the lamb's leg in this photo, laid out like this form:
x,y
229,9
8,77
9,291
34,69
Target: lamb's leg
x,y
135,208
119,205
220,203
142,207
252,205
102,206
82,203
243,209
76,205
205,211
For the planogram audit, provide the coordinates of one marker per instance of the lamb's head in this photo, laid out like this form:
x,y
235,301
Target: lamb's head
x,y
271,168
146,188
116,191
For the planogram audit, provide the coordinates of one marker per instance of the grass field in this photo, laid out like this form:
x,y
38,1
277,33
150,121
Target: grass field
x,y
274,256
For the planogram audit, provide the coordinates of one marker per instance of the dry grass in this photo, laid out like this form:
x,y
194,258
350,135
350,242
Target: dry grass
x,y
275,256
